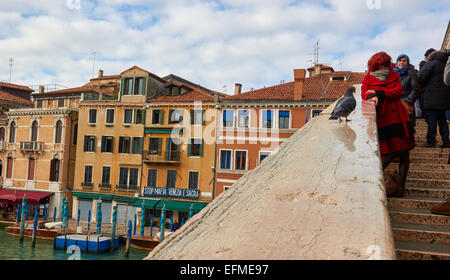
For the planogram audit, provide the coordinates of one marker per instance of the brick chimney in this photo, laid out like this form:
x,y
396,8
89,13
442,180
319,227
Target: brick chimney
x,y
237,88
41,89
299,80
100,73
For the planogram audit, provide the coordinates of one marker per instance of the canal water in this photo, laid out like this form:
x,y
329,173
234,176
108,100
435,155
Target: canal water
x,y
12,249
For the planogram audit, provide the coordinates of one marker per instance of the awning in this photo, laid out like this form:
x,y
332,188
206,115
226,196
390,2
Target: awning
x,y
15,196
104,197
171,205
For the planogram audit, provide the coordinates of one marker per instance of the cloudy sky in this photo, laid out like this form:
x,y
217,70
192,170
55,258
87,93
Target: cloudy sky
x,y
215,43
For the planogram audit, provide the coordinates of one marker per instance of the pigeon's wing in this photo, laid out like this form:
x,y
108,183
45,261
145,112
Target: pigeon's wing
x,y
343,108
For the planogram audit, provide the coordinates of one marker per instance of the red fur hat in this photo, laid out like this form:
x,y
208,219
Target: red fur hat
x,y
377,60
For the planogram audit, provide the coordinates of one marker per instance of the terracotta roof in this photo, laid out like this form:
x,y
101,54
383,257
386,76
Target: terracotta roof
x,y
89,87
314,88
106,77
14,86
326,67
8,96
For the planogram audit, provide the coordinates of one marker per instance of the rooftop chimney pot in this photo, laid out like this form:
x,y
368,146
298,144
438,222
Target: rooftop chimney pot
x,y
237,88
100,73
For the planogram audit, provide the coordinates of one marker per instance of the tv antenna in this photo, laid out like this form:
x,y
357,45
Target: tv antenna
x,y
340,64
11,63
316,53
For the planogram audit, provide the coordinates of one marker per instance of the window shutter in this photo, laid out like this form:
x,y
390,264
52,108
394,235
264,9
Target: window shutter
x,y
159,145
141,144
122,85
190,147
144,86
203,117
86,143
103,149
168,140
169,121
161,117
192,116
201,148
120,144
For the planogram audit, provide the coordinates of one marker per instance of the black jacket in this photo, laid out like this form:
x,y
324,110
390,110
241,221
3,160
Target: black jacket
x,y
410,85
435,95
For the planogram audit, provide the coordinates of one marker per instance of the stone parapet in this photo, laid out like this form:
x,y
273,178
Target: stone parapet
x,y
321,196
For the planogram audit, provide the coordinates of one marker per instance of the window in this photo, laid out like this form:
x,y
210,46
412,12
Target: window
x,y
267,116
284,117
109,116
128,86
175,116
228,117
31,164
39,104
2,134
12,132
193,180
195,147
137,145
172,149
197,117
123,177
171,178
89,143
151,178
139,117
88,174
107,144
34,131
124,145
106,175
92,116
263,155
241,160
243,118
154,146
58,132
61,102
134,173
128,116
139,86
225,159
54,170
157,117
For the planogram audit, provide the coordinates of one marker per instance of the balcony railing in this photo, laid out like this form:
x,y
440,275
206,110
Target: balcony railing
x,y
31,146
127,187
104,186
87,184
153,156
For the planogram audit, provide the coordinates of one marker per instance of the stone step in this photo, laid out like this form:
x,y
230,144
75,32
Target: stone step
x,y
430,192
414,202
421,233
421,251
417,216
423,167
440,161
417,182
431,175
436,150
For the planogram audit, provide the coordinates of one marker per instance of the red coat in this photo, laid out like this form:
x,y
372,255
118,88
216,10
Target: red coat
x,y
395,131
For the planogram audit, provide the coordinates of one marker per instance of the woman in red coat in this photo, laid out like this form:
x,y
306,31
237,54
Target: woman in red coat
x,y
395,132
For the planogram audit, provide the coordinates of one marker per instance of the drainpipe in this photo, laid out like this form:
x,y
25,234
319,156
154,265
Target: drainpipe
x,y
215,150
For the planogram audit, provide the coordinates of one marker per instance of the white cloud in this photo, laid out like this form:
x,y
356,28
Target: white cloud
x,y
213,43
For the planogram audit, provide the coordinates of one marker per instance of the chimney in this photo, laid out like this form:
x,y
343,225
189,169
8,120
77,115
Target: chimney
x,y
299,80
100,73
237,88
41,89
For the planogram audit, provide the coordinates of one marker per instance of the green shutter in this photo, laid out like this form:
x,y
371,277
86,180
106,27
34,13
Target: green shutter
x,y
167,148
169,121
190,147
144,86
161,117
122,86
201,148
203,117
192,116
159,145
141,144
103,144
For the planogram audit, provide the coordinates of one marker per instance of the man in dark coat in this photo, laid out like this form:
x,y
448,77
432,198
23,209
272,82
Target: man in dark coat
x,y
435,98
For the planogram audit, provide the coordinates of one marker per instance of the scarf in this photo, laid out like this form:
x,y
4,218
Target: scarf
x,y
381,74
401,71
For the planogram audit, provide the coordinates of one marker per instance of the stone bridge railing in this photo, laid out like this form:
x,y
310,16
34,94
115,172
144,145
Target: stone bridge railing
x,y
321,196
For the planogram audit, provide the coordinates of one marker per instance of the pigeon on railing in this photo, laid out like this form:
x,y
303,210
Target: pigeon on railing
x,y
344,106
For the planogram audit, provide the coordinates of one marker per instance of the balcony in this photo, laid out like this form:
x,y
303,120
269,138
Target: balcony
x,y
163,157
31,146
127,187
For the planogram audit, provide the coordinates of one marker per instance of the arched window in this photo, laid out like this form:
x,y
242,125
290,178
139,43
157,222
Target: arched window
x,y
58,132
12,132
2,134
34,131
